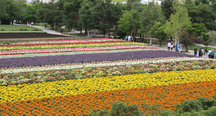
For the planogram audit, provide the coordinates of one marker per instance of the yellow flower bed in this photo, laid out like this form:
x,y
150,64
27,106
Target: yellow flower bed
x,y
91,85
68,46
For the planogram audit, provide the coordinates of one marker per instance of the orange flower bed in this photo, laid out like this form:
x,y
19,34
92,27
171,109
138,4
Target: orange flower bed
x,y
77,105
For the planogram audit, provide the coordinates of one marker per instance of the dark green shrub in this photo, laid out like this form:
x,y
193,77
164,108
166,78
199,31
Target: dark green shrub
x,y
211,111
196,104
120,109
154,111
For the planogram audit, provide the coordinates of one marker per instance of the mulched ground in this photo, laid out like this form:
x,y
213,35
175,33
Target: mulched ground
x,y
27,35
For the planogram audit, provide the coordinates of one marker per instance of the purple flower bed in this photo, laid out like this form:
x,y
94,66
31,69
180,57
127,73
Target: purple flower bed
x,y
79,58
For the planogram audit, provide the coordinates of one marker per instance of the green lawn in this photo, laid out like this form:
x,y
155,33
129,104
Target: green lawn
x,y
192,47
17,28
41,24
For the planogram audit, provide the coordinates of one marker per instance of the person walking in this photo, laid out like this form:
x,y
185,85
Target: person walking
x,y
212,54
195,52
200,52
209,53
206,53
168,45
171,47
45,26
126,37
134,39
176,47
129,38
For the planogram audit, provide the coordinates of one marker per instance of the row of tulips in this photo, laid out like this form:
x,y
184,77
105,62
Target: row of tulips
x,y
55,41
95,64
20,92
76,52
66,41
68,46
28,51
71,43
54,75
78,105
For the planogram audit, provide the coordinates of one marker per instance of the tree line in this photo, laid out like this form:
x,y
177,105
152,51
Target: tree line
x,y
180,20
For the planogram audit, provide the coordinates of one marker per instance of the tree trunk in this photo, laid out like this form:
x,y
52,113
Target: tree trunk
x,y
52,25
108,32
12,22
56,26
86,31
81,31
140,36
88,34
150,40
160,42
187,48
171,39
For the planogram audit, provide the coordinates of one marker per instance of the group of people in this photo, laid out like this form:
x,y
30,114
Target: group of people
x,y
178,48
29,23
209,54
129,38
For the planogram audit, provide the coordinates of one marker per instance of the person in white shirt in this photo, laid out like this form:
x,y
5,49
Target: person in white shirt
x,y
209,53
129,37
169,45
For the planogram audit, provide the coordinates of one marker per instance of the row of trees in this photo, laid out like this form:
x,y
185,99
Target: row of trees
x,y
169,20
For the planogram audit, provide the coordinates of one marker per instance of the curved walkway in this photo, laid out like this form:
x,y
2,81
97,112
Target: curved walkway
x,y
51,31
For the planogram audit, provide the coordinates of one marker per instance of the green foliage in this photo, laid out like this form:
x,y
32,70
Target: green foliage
x,y
206,39
118,109
179,20
149,16
166,6
197,28
157,31
196,104
211,111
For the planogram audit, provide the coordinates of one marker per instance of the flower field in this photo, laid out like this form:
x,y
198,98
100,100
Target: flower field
x,y
72,77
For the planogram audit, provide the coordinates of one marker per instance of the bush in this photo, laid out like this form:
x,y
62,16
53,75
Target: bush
x,y
118,109
211,111
196,104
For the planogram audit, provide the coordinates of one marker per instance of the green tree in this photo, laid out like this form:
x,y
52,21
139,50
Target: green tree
x,y
166,6
105,15
186,38
85,15
179,20
149,16
206,39
197,28
157,31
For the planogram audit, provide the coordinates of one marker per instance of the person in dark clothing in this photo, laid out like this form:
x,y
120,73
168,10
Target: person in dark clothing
x,y
134,39
45,26
200,52
195,52
61,31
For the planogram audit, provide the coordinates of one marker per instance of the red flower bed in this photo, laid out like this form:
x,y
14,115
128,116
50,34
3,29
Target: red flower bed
x,y
63,43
